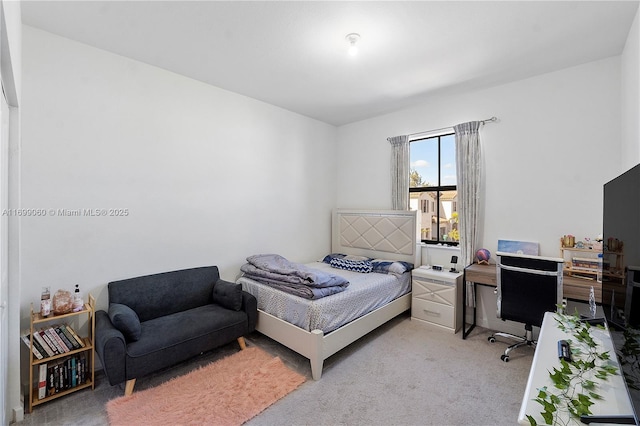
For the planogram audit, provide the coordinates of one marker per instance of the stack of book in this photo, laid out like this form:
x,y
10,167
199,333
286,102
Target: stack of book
x,y
55,340
64,372
586,264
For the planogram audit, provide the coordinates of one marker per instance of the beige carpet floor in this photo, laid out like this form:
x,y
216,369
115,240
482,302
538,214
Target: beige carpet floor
x,y
400,374
407,374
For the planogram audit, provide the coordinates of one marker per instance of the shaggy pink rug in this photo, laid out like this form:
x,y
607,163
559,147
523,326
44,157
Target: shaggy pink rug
x,y
227,392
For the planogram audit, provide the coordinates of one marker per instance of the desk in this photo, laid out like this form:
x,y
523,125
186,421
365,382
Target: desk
x,y
572,288
615,399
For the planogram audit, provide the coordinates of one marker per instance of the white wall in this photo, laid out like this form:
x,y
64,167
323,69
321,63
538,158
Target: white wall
x,y
631,98
557,141
209,177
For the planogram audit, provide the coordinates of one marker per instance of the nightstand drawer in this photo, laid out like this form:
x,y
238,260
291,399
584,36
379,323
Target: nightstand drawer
x,y
434,292
436,313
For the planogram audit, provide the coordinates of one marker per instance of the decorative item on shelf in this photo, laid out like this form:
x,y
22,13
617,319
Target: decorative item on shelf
x,y
597,244
483,255
62,302
78,303
614,244
518,247
45,302
568,240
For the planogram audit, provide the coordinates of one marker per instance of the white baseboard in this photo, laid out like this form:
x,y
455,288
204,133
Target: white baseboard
x,y
17,414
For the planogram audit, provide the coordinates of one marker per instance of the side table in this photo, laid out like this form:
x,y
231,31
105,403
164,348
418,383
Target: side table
x,y
436,296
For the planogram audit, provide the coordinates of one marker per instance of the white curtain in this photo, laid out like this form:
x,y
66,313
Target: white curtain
x,y
468,158
468,161
400,172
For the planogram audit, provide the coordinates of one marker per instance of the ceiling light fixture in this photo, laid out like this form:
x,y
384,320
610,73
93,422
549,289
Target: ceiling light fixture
x,y
353,39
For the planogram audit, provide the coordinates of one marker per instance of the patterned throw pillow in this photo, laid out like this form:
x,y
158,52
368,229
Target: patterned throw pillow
x,y
391,267
363,266
328,258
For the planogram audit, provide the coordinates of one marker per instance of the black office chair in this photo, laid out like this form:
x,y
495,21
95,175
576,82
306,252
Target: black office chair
x,y
528,286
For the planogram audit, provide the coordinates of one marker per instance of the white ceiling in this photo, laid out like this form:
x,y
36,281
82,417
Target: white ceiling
x,y
293,54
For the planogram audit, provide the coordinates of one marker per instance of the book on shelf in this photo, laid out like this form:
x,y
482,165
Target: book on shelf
x,y
66,330
39,348
68,343
51,385
42,381
61,345
75,335
74,372
66,373
36,351
49,339
45,346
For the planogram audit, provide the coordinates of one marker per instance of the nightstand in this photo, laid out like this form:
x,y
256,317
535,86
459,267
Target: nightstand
x,y
436,296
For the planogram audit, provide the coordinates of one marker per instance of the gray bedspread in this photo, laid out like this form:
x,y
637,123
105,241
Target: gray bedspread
x,y
295,278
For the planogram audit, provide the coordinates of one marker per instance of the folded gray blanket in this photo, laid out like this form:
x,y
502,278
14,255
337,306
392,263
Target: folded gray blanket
x,y
294,278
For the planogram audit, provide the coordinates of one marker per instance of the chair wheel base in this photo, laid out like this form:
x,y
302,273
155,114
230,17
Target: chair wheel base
x,y
505,358
491,339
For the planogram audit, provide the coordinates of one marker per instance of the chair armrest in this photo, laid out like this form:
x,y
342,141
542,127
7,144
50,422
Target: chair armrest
x,y
250,306
111,348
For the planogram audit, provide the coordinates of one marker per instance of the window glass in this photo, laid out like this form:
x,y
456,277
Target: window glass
x,y
433,188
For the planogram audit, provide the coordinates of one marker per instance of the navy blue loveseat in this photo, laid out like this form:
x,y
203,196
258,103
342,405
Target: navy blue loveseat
x,y
159,320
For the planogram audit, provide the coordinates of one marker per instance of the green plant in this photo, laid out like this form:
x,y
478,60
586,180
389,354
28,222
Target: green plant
x,y
575,382
629,357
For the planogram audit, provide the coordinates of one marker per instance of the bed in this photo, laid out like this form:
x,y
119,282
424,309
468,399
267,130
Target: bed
x,y
381,234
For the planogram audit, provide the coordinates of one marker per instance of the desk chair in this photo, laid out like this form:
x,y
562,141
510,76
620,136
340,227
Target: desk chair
x,y
528,286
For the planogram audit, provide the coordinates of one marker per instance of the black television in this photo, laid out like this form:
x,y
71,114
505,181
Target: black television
x,y
621,274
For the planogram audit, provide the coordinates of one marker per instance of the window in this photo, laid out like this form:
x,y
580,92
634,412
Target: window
x,y
433,188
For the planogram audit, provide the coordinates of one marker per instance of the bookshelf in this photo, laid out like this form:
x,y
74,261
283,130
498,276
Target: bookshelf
x,y
584,263
82,356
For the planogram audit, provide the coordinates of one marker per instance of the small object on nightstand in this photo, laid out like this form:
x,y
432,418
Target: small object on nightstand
x,y
454,261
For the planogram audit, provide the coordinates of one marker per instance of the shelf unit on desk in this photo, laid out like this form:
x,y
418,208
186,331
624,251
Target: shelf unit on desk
x,y
89,342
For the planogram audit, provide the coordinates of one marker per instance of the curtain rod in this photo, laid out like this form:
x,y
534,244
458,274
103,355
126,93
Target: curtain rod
x,y
488,120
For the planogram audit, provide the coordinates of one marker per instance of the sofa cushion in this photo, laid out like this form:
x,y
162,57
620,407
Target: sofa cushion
x,y
157,295
228,295
173,338
126,320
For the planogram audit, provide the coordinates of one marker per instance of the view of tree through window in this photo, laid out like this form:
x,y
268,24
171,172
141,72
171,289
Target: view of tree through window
x,y
433,188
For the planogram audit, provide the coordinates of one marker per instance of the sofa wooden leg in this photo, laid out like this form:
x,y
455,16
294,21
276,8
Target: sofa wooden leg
x,y
242,343
128,389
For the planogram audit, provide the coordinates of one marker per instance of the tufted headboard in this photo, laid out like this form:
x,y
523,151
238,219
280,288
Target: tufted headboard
x,y
386,234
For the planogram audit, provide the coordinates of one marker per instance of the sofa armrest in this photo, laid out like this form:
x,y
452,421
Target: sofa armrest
x,y
111,348
250,306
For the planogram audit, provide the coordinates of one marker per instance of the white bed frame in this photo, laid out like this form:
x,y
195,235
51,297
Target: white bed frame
x,y
387,234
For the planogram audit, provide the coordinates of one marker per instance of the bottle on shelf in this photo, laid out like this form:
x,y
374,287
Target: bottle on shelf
x,y
45,302
78,302
600,266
